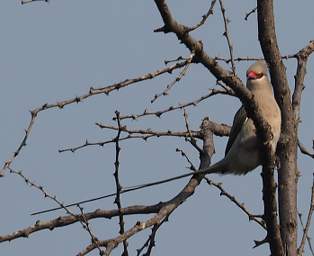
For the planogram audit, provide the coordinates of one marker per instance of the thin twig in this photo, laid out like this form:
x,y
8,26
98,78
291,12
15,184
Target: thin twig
x,y
217,129
249,13
31,1
232,198
307,226
182,73
102,143
212,92
149,131
304,150
26,232
302,58
227,35
191,167
204,17
192,140
88,229
150,242
92,92
307,237
118,185
174,60
285,57
175,202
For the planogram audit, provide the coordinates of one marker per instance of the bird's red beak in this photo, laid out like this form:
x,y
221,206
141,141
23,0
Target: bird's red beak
x,y
251,75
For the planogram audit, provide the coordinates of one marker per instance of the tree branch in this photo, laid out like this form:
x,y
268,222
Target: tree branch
x,y
92,92
117,200
308,224
188,190
302,58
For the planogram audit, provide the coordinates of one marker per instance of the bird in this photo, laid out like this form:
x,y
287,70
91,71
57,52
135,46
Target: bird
x,y
242,153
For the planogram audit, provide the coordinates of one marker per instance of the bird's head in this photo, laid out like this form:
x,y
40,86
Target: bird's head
x,y
257,75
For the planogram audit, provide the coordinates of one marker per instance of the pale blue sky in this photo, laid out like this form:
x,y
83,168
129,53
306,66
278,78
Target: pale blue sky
x,y
55,51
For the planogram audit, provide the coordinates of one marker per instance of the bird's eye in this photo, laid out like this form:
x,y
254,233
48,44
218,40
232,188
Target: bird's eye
x,y
259,75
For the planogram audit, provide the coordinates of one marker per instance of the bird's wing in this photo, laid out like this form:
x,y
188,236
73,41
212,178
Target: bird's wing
x,y
238,121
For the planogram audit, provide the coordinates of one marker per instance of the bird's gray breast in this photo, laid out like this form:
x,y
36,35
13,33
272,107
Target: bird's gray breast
x,y
244,154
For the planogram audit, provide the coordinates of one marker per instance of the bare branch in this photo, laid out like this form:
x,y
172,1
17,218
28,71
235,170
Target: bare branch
x,y
88,229
118,185
270,210
283,241
38,225
102,143
227,35
191,139
308,224
284,57
175,81
232,198
31,1
150,242
149,131
193,103
302,58
223,192
164,212
304,150
249,13
92,92
70,219
204,17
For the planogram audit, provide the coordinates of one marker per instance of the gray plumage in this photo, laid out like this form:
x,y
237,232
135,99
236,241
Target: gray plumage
x,y
242,151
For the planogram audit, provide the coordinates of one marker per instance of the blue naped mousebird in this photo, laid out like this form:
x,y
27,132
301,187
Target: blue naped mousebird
x,y
242,152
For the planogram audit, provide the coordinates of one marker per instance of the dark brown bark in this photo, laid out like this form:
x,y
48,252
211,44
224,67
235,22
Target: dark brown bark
x,y
287,147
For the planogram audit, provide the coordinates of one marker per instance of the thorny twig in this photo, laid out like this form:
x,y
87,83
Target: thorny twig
x,y
174,203
307,225
102,143
191,167
232,198
150,242
26,232
223,192
204,17
149,131
192,140
118,185
182,73
285,57
87,228
92,92
217,129
302,58
227,35
212,92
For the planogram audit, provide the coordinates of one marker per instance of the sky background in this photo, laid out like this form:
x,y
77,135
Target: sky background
x,y
55,51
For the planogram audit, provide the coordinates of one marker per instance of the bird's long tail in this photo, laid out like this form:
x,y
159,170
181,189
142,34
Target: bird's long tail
x,y
215,168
